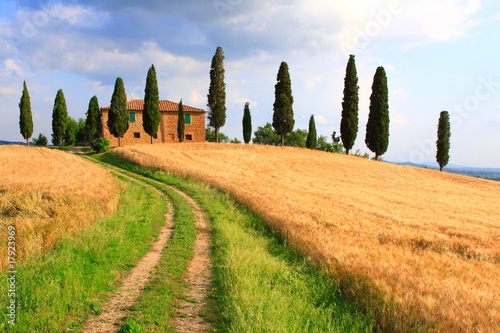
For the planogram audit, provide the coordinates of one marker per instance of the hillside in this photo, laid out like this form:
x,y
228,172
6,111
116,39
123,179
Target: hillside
x,y
46,193
420,246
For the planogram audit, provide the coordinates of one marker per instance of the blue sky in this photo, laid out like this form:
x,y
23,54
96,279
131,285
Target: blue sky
x,y
438,55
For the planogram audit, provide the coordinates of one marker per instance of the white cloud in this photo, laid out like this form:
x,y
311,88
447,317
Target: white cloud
x,y
75,15
397,118
13,67
320,119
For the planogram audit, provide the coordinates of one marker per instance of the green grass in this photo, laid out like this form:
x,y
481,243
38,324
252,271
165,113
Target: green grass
x,y
261,285
156,306
58,290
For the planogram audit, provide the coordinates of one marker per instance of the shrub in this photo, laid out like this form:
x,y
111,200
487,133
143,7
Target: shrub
x,y
100,145
41,141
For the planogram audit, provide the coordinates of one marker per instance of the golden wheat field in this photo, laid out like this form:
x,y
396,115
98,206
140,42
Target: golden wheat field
x,y
46,193
419,247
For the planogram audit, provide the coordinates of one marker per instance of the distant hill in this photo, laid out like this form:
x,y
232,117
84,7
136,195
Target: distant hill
x,y
2,143
486,173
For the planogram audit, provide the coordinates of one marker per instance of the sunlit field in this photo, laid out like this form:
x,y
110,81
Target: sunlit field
x,y
417,248
46,193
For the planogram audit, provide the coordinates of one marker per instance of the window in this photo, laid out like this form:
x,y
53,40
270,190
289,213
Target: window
x,y
137,135
188,118
132,117
189,137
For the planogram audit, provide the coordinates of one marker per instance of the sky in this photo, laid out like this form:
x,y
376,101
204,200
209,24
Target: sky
x,y
438,55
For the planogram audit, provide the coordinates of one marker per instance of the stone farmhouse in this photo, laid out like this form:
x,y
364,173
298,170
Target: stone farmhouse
x,y
194,128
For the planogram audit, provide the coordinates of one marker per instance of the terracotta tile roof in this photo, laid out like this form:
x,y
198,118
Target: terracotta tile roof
x,y
138,105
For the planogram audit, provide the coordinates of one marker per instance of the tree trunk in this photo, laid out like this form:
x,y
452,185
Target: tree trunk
x,y
347,151
60,142
151,139
282,140
217,135
440,168
119,142
27,141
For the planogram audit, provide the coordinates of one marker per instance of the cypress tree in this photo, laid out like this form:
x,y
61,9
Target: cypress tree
x,y
151,114
118,112
312,137
59,117
180,122
25,116
349,122
93,125
377,128
443,141
217,93
247,123
283,121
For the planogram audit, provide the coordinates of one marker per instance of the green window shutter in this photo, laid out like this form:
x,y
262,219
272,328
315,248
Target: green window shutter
x,y
188,118
132,117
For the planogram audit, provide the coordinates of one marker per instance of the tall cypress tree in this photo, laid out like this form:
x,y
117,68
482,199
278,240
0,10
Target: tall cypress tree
x,y
377,128
59,117
118,112
217,93
25,116
283,121
93,125
443,141
349,122
151,113
247,123
180,122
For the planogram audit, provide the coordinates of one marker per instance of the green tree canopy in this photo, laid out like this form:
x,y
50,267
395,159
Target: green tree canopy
x,y
151,113
443,141
217,93
312,136
377,128
25,116
210,136
180,122
93,126
267,136
349,122
118,113
283,121
324,145
247,123
59,118
40,141
74,134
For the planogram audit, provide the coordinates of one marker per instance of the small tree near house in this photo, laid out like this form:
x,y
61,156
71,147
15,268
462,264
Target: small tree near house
x,y
180,122
151,114
93,125
59,118
118,112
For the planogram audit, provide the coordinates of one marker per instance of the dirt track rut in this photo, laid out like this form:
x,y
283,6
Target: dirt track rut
x,y
188,318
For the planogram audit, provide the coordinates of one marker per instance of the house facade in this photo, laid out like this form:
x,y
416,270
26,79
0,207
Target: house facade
x,y
194,128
